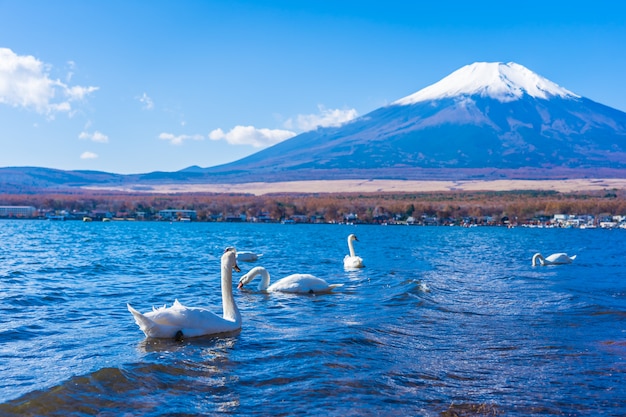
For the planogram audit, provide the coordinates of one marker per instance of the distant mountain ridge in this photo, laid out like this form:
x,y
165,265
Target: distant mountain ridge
x,y
483,121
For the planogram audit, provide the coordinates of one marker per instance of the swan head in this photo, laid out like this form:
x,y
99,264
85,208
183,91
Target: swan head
x,y
351,237
257,270
229,259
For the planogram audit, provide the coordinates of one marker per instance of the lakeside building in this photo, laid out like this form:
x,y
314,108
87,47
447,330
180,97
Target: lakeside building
x,y
18,211
177,214
236,218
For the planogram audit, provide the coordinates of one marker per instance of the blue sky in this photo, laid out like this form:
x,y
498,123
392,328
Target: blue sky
x,y
141,86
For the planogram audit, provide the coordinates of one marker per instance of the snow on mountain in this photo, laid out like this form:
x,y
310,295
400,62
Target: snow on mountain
x,y
503,82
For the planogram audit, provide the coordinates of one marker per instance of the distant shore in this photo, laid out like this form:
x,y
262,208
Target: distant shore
x,y
369,186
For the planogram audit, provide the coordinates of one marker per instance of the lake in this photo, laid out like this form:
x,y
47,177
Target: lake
x,y
442,321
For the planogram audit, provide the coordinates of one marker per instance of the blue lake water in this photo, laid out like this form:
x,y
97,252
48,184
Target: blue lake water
x,y
441,321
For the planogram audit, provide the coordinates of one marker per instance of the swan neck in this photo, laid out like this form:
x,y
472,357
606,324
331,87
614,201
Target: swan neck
x,y
265,279
351,247
539,257
230,309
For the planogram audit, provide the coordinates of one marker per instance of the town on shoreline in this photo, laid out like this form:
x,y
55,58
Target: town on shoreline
x,y
534,208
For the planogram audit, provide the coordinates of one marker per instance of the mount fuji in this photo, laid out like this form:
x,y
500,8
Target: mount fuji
x,y
484,121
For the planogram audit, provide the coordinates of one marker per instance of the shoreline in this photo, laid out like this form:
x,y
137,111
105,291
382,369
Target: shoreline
x,y
373,186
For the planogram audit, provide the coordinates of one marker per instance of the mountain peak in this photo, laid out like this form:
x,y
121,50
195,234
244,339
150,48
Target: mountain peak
x,y
497,80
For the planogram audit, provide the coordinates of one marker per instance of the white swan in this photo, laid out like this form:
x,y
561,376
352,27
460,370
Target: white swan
x,y
247,256
295,283
179,321
554,259
351,260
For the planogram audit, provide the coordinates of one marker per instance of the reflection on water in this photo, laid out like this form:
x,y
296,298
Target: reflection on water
x,y
440,322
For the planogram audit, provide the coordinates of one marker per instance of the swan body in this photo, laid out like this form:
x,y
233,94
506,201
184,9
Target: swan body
x,y
295,283
554,259
180,321
247,256
352,260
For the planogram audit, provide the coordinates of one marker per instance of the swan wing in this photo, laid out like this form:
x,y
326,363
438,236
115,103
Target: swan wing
x,y
197,321
302,283
559,258
246,256
292,283
150,328
352,262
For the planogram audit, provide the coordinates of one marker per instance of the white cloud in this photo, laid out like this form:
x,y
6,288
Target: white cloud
x,y
94,137
325,118
250,135
260,138
178,140
146,101
88,155
25,82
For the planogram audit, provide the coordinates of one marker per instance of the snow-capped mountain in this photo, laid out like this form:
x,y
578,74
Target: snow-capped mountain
x,y
483,120
503,82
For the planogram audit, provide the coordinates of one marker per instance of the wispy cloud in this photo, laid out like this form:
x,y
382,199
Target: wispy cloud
x,y
88,155
77,92
70,73
25,82
325,118
250,135
146,102
94,137
178,140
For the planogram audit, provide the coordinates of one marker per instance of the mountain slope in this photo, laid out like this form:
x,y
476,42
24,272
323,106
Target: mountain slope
x,y
16,179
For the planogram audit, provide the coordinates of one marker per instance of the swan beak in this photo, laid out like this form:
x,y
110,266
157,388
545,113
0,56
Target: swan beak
x,y
240,286
236,268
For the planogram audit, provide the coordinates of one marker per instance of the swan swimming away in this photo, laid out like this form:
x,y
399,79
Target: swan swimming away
x,y
351,260
295,283
554,259
247,256
179,321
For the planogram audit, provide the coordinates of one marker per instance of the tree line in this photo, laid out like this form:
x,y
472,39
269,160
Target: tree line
x,y
374,207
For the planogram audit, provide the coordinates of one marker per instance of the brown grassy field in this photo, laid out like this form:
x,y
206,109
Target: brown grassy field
x,y
374,186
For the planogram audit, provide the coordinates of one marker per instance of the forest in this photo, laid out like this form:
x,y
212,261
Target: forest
x,y
523,206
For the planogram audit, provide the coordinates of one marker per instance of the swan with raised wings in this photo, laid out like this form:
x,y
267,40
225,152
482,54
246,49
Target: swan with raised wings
x,y
295,283
554,259
352,260
179,321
